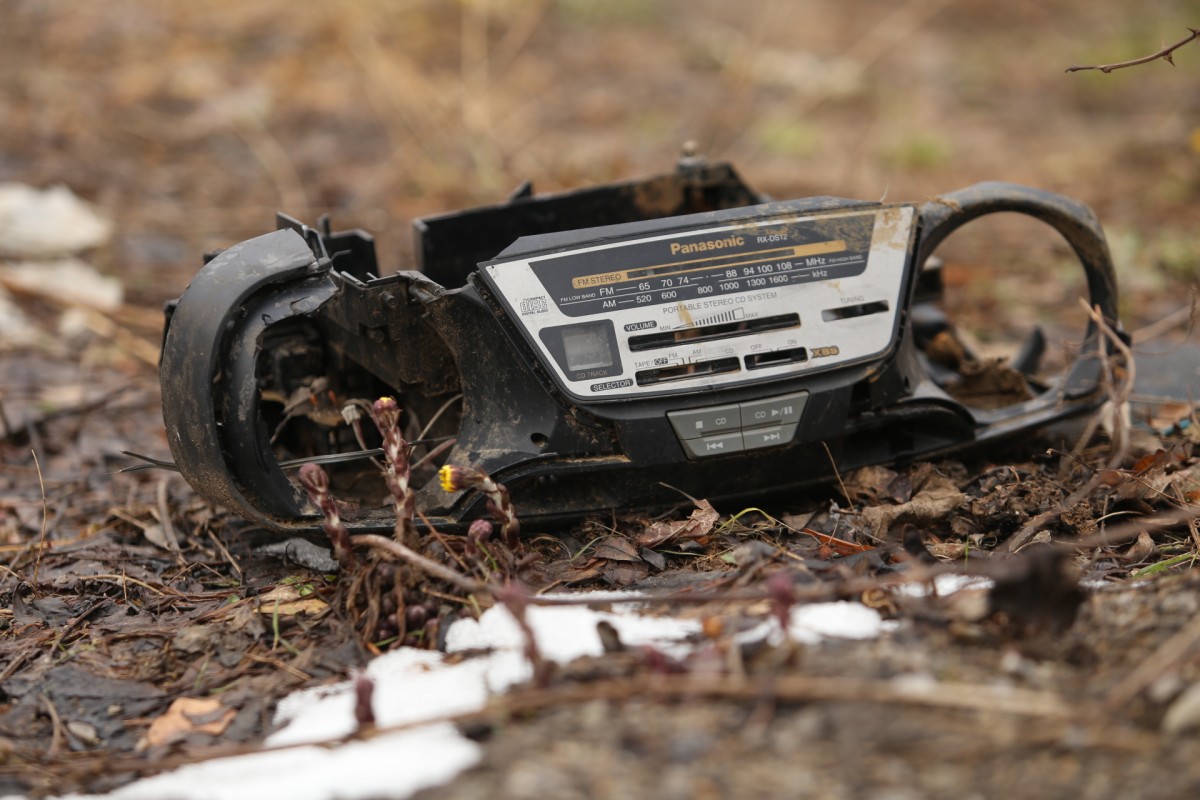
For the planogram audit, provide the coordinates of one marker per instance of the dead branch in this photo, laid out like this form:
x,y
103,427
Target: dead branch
x,y
1165,54
1168,655
419,561
1119,534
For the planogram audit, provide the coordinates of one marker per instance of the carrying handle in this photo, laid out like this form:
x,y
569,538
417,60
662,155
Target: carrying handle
x,y
1074,220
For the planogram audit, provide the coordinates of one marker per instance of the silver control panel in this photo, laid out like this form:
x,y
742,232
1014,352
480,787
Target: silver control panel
x,y
686,310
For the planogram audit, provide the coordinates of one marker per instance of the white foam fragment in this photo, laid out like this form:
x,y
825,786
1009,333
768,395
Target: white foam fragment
x,y
394,765
37,223
946,584
68,280
843,620
413,687
567,632
16,330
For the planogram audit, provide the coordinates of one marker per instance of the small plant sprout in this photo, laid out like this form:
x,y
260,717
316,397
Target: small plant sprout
x,y
316,483
364,695
386,415
456,479
783,597
479,532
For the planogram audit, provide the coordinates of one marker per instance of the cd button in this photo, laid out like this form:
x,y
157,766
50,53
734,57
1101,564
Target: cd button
x,y
781,410
697,422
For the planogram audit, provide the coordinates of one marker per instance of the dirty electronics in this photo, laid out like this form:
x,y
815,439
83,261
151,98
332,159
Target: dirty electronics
x,y
608,348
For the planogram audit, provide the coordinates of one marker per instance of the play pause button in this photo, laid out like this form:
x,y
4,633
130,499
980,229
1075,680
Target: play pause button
x,y
774,410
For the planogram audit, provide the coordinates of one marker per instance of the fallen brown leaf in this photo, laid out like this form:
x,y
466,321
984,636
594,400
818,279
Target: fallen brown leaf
x,y
700,523
616,548
286,601
937,498
188,715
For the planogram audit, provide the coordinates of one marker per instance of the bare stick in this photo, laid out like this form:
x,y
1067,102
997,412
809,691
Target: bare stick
x,y
1157,664
417,560
1129,530
37,563
1164,54
836,473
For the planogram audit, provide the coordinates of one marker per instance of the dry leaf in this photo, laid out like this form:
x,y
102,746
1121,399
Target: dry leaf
x,y
624,573
937,498
700,523
869,484
616,548
286,601
1140,550
188,715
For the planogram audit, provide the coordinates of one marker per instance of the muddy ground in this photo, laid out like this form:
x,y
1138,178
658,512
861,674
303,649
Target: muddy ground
x,y
189,126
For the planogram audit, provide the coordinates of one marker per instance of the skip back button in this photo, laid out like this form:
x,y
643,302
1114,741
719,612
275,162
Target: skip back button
x,y
714,445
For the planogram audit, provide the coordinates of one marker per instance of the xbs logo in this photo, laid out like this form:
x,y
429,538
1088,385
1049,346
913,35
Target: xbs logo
x,y
534,305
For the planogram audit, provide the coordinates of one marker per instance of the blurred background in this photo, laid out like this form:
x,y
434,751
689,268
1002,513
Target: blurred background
x,y
187,125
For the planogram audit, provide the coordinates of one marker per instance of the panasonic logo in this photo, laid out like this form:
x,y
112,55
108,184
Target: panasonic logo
x,y
678,248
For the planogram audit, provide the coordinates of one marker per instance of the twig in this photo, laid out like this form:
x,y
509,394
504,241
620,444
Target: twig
x,y
57,737
165,524
1164,54
237,569
1129,530
1158,663
37,562
1187,313
71,410
4,423
275,662
163,590
75,621
836,543
836,473
105,327
417,560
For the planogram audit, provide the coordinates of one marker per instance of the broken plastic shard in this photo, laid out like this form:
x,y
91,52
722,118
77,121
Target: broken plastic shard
x,y
1168,374
36,223
68,280
15,328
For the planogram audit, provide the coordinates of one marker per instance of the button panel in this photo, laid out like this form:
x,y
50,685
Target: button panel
x,y
752,425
